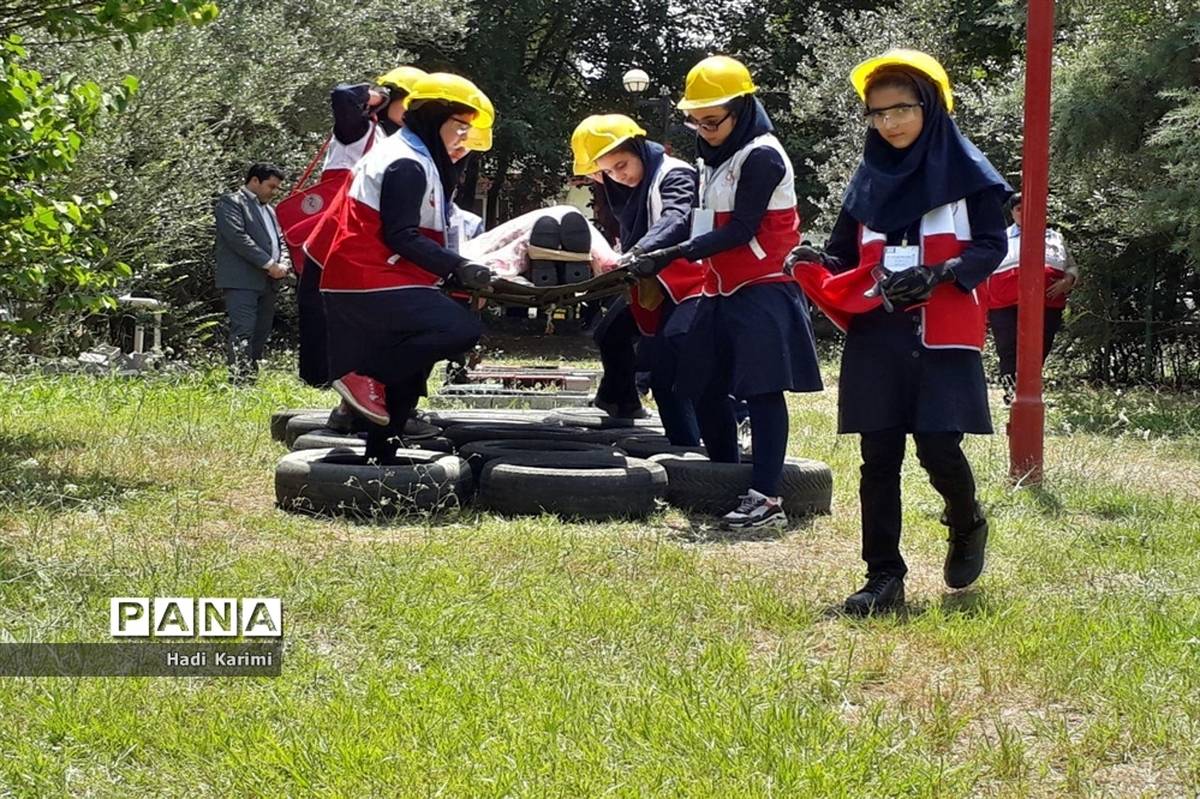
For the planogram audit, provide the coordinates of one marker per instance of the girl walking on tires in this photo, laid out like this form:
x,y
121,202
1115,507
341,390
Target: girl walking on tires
x,y
751,337
921,227
396,244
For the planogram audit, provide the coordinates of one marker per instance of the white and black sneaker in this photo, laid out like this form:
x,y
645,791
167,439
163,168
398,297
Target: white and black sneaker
x,y
756,510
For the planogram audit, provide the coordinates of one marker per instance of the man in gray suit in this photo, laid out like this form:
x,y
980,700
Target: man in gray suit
x,y
249,265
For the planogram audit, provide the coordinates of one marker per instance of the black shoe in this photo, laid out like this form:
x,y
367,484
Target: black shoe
x,y
419,430
965,558
341,419
882,592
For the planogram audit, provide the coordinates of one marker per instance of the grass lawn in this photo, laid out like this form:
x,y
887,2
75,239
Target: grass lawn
x,y
483,657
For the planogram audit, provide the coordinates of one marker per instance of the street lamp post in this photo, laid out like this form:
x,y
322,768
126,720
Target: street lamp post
x,y
637,81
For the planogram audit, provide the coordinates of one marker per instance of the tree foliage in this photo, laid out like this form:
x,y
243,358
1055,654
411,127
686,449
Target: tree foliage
x,y
54,256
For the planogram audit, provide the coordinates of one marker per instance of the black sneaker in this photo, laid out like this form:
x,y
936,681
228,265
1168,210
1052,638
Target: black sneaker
x,y
419,430
755,510
341,419
965,558
883,592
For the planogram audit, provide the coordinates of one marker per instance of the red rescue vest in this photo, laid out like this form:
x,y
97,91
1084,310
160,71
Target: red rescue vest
x,y
359,259
681,279
1002,286
320,237
761,260
951,319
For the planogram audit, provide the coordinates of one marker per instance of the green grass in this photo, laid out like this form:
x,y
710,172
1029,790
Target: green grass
x,y
480,657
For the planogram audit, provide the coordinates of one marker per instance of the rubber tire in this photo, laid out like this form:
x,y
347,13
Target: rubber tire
x,y
458,416
648,446
304,423
596,419
697,484
536,453
326,439
611,436
335,482
280,419
466,433
632,491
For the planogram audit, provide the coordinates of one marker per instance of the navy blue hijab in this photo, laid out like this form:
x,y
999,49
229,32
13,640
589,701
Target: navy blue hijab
x,y
752,122
630,204
893,188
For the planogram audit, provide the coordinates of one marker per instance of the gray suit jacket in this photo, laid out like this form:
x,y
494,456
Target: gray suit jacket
x,y
243,243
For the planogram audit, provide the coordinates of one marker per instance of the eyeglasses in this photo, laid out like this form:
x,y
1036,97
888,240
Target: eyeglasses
x,y
893,115
463,126
691,123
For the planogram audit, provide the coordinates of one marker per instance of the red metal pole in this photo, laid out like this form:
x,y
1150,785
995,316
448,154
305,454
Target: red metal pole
x,y
1027,422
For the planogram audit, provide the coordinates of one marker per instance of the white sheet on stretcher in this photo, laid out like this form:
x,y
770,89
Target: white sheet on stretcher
x,y
503,248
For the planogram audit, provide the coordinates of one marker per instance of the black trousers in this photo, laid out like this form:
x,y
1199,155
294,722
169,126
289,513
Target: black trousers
x,y
251,314
949,472
396,337
617,337
1004,330
314,347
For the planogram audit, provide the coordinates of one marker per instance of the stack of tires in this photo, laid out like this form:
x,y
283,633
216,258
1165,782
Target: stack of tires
x,y
576,463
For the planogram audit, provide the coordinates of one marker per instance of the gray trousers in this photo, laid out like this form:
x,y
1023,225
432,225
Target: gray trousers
x,y
251,314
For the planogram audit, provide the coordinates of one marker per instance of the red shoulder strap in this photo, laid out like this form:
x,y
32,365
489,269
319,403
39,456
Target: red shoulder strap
x,y
311,166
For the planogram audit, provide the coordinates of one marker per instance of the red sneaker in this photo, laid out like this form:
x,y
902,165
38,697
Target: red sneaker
x,y
363,395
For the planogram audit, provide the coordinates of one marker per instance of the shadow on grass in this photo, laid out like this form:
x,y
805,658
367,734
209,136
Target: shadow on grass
x,y
705,529
969,603
26,483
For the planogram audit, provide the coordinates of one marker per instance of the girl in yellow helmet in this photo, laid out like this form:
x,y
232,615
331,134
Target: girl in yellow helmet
x,y
651,194
751,337
395,246
921,227
362,114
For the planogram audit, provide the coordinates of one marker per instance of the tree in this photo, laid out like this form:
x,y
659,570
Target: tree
x,y
53,256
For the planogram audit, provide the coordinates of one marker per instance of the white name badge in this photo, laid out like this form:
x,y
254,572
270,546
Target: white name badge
x,y
897,259
702,221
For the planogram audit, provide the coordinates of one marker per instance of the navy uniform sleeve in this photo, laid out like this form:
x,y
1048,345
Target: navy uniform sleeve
x,y
761,172
841,249
350,118
400,199
989,242
678,191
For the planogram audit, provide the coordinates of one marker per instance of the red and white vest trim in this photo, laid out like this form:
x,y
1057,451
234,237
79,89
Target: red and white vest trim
x,y
359,259
761,260
317,245
951,319
343,157
1003,285
682,279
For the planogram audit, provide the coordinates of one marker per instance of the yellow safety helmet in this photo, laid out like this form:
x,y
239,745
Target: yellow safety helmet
x,y
599,135
479,139
715,81
454,89
924,63
401,78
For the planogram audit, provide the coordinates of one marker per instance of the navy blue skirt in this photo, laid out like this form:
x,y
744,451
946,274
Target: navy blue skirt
x,y
890,380
757,341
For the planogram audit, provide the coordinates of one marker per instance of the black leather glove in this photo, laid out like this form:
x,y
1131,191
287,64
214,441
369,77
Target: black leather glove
x,y
916,284
473,276
651,263
804,254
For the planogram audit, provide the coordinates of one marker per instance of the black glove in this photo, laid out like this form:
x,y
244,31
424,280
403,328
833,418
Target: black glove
x,y
651,263
804,254
628,258
916,284
473,275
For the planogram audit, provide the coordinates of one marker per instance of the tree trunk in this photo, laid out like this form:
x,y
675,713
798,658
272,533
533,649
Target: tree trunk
x,y
494,191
